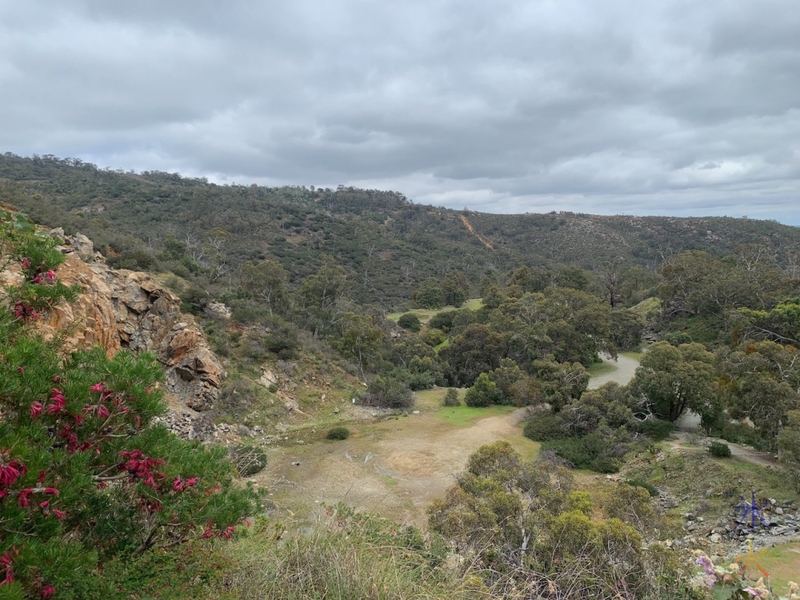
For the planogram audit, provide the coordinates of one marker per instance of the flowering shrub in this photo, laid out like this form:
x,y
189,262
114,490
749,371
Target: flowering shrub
x,y
38,257
729,583
84,475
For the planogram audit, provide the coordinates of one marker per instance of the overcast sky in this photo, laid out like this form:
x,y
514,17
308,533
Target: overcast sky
x,y
680,107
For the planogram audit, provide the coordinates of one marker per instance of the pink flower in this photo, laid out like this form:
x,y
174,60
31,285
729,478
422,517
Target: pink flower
x,y
36,409
50,275
177,485
191,481
48,591
102,412
10,471
98,387
5,566
60,514
24,312
58,402
26,262
706,563
38,279
24,498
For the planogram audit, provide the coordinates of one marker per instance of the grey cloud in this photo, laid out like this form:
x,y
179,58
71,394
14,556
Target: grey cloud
x,y
668,106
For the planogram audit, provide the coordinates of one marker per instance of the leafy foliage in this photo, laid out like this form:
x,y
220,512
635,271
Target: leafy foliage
x,y
451,398
84,474
719,450
529,533
674,379
409,321
389,392
338,433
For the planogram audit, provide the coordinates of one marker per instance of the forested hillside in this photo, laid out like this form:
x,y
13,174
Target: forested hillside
x,y
387,245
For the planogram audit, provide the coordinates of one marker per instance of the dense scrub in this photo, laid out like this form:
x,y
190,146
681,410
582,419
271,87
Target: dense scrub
x,y
86,479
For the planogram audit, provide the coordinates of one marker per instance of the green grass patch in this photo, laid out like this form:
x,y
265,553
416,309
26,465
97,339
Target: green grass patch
x,y
600,368
432,399
424,314
473,303
647,308
465,416
633,355
783,565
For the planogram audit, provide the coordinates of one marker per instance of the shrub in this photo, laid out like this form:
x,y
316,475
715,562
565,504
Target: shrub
x,y
484,393
248,460
338,433
657,429
389,392
283,339
593,452
194,299
544,426
137,260
410,322
738,433
433,337
85,478
451,398
443,320
651,489
719,450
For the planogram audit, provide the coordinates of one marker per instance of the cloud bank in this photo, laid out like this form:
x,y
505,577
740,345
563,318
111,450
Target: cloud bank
x,y
664,107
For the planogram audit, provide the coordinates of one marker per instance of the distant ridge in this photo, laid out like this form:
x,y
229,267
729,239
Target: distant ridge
x,y
388,244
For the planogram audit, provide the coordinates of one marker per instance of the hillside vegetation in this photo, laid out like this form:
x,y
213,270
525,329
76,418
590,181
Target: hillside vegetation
x,y
388,245
292,286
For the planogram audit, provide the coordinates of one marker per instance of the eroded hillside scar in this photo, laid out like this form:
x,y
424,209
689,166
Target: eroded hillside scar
x,y
471,229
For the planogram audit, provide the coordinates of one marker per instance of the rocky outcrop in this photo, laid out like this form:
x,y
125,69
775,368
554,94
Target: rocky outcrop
x,y
126,309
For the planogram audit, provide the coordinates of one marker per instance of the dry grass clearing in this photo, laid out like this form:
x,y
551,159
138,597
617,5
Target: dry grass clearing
x,y
393,467
783,565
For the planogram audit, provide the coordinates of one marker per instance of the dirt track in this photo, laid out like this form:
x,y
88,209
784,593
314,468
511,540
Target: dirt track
x,y
622,374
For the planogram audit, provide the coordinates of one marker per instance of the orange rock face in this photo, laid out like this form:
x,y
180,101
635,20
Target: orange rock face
x,y
126,309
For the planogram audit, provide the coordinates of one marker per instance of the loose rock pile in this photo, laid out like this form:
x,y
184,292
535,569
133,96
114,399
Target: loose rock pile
x,y
730,537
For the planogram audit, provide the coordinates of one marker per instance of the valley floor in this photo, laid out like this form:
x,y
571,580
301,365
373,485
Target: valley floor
x,y
393,468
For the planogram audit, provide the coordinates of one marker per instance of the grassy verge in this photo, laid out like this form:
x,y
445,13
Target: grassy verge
x,y
600,368
349,556
783,565
425,314
466,416
432,399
